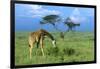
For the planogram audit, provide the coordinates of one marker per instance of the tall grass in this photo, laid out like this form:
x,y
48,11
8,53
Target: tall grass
x,y
77,47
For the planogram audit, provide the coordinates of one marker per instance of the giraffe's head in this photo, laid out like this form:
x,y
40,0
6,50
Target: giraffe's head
x,y
54,43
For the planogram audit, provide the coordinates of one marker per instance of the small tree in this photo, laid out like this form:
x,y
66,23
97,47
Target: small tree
x,y
51,19
71,25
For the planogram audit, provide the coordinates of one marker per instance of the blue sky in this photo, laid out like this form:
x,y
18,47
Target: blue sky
x,y
27,17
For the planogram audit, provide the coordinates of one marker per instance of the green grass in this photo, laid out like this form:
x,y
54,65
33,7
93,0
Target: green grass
x,y
76,47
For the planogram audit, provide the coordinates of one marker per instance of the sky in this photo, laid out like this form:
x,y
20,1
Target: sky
x,y
28,17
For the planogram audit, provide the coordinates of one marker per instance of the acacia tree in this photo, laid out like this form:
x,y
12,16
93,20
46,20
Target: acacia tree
x,y
51,19
71,25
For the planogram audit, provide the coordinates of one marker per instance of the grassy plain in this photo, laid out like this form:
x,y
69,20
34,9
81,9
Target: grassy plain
x,y
76,47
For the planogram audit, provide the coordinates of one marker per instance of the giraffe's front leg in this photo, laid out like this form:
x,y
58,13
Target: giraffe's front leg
x,y
41,45
30,52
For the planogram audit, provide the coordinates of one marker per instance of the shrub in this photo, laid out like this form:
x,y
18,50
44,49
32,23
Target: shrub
x,y
69,51
53,51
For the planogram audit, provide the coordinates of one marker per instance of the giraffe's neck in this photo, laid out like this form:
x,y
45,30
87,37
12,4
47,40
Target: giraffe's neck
x,y
52,38
45,33
49,35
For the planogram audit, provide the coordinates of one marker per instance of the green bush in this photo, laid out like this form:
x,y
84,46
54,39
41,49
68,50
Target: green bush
x,y
53,51
69,51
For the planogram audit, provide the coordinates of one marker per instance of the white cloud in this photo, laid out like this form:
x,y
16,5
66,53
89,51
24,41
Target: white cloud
x,y
76,16
38,11
35,7
76,12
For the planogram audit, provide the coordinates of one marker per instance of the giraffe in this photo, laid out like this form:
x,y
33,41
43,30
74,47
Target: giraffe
x,y
38,37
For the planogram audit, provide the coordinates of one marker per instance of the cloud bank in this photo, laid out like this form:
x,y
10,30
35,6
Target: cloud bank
x,y
76,16
37,11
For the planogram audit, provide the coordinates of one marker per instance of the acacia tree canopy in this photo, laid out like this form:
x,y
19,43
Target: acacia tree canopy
x,y
52,19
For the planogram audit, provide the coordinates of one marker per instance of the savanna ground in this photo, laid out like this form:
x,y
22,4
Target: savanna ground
x,y
76,47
